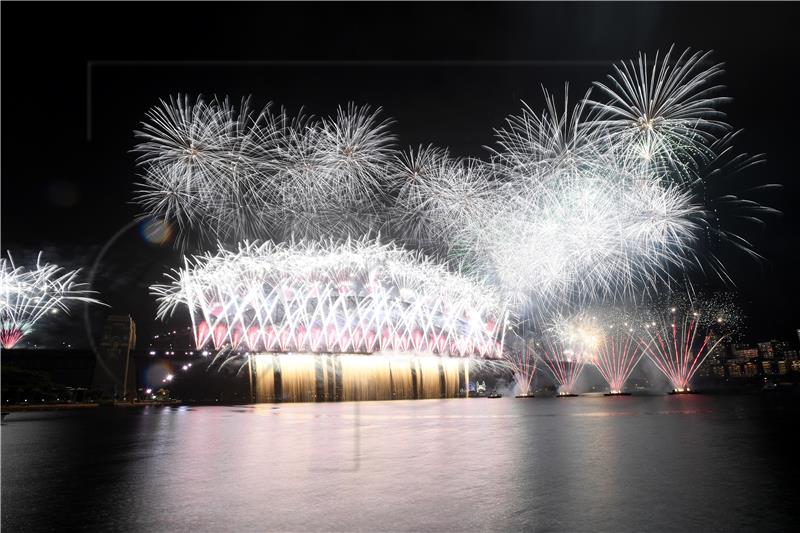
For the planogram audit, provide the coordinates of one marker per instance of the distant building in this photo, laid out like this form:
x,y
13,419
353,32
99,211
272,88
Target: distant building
x,y
744,352
766,349
781,348
719,353
115,372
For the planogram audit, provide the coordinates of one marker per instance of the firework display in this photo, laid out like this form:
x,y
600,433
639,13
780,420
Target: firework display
x,y
522,359
600,199
616,357
567,346
586,204
222,173
27,296
680,333
665,111
356,296
617,352
577,203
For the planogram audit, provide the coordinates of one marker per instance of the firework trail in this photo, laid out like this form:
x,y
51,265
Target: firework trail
x,y
522,360
727,209
567,346
618,352
564,364
27,296
682,332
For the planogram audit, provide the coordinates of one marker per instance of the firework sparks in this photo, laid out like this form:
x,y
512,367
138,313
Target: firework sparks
x,y
665,111
566,347
522,360
579,203
618,352
28,296
353,297
681,333
439,196
222,173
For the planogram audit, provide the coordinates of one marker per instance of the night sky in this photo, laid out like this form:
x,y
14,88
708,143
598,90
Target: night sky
x,y
78,78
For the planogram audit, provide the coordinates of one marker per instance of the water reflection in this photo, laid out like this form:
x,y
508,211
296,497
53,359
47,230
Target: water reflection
x,y
593,463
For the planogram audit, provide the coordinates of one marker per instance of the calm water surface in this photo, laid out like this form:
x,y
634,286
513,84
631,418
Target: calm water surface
x,y
677,463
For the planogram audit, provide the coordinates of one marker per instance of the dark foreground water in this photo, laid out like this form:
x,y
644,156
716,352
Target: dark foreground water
x,y
662,463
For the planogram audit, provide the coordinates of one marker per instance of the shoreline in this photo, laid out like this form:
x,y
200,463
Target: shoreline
x,y
5,409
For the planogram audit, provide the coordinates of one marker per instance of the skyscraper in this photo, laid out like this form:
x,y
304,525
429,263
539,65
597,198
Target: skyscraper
x,y
115,371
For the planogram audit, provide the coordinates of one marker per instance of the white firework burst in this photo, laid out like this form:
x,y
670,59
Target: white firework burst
x,y
27,296
221,173
532,144
357,296
600,231
664,111
440,197
597,200
355,148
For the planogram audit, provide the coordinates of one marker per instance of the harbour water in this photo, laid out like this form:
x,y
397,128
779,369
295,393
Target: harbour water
x,y
593,463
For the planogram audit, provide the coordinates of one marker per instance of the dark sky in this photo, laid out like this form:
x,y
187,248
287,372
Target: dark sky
x,y
77,79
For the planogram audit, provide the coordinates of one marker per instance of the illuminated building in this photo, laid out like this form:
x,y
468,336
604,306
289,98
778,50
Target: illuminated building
x,y
766,349
745,351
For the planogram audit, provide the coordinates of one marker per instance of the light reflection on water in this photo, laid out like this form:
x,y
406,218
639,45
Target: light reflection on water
x,y
590,463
